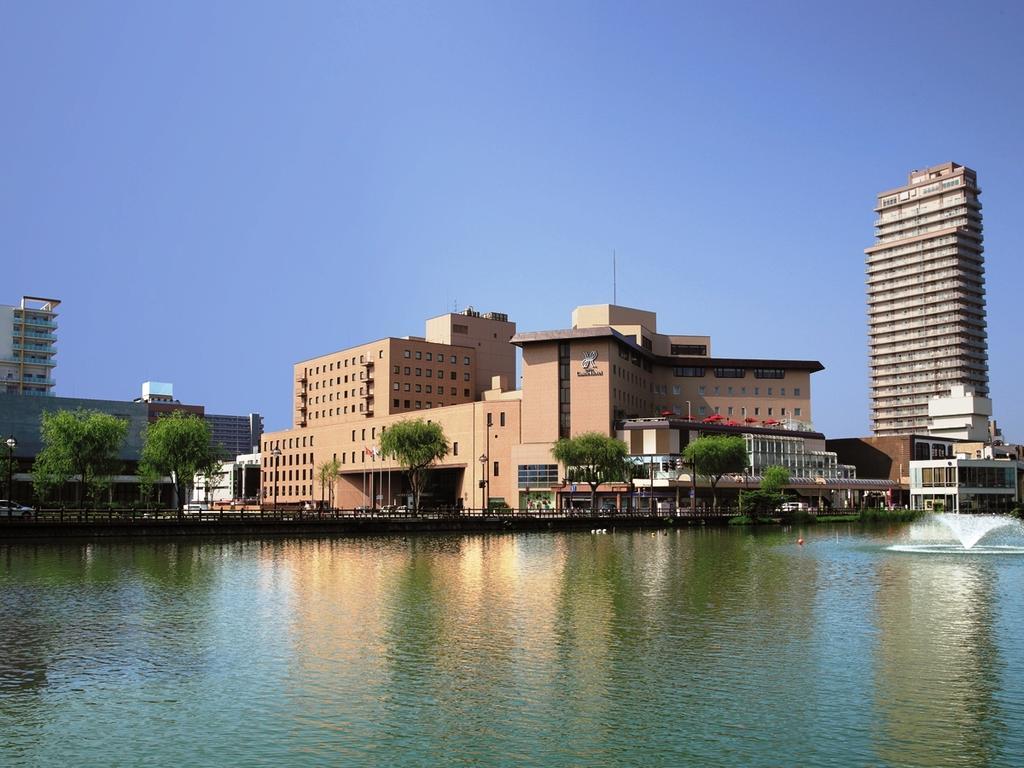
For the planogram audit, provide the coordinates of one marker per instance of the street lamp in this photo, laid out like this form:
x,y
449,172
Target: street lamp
x,y
276,453
11,445
483,481
688,417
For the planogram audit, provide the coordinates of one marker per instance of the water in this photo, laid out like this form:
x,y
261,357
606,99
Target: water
x,y
697,647
952,533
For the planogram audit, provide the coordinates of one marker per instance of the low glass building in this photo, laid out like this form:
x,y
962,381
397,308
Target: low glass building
x,y
965,485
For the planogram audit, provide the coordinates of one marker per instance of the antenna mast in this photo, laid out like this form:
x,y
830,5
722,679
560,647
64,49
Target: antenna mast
x,y
614,280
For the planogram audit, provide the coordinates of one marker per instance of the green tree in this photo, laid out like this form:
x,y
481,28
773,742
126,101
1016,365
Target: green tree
x,y
593,458
178,445
78,445
766,499
716,455
326,473
416,445
8,468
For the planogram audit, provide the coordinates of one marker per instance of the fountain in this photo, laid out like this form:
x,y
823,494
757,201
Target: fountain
x,y
968,530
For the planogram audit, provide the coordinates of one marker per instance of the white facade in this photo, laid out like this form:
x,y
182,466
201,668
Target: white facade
x,y
965,485
960,415
237,481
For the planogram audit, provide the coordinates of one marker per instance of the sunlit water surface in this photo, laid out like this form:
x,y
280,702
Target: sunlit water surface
x,y
695,647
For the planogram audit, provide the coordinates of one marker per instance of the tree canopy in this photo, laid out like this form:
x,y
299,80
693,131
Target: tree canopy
x,y
416,445
768,497
592,458
178,445
326,473
80,444
715,456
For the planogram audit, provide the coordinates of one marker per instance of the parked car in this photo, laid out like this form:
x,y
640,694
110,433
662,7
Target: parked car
x,y
14,509
795,506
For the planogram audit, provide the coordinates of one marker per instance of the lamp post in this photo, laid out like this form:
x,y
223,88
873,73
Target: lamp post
x,y
11,445
276,453
483,481
688,417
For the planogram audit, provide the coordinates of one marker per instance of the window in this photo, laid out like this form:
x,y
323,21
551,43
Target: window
x,y
495,469
689,349
458,328
700,390
757,411
396,404
465,361
730,373
419,387
430,356
687,371
769,373
501,419
419,403
454,391
455,448
440,373
454,376
406,403
796,411
407,387
465,376
430,373
408,371
430,390
676,389
465,393
406,353
395,386
419,371
538,475
419,355
796,391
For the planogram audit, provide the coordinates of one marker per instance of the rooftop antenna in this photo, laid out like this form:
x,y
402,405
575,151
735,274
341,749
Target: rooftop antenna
x,y
614,281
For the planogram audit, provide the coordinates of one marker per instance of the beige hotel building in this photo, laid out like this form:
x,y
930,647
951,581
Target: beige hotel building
x,y
926,297
611,367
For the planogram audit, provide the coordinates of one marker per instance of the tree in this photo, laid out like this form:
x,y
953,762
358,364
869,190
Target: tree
x,y
592,458
177,445
326,473
416,445
81,445
769,496
715,456
8,468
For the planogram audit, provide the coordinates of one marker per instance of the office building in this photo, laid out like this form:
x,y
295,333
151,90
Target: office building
x,y
926,297
230,435
28,333
610,367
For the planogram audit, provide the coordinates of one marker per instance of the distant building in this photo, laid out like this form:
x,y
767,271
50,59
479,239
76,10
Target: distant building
x,y
926,297
963,484
235,435
232,435
238,481
159,399
27,351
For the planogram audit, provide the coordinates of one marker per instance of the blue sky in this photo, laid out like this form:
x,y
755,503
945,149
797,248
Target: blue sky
x,y
217,190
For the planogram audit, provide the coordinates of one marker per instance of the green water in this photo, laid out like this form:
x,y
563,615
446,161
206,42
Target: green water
x,y
693,647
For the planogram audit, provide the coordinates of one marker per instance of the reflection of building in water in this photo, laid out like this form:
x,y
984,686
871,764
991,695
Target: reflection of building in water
x,y
936,663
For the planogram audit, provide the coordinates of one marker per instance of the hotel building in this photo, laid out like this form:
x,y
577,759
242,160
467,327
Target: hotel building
x,y
27,339
610,369
926,297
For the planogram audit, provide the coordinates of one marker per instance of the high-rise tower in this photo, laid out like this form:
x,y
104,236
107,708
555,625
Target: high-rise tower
x,y
926,297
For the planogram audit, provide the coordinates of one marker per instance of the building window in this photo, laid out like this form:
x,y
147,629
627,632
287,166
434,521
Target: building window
x,y
496,473
538,475
419,355
769,373
455,448
465,393
396,404
408,371
689,349
453,359
406,353
797,411
430,357
465,376
730,373
689,371
465,361
700,389
501,419
796,391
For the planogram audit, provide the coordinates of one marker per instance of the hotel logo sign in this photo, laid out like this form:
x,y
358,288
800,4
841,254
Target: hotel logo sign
x,y
589,364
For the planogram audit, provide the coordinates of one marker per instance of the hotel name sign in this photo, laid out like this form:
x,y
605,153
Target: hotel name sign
x,y
589,364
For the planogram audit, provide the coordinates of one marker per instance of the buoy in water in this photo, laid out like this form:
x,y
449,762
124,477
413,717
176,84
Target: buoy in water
x,y
800,541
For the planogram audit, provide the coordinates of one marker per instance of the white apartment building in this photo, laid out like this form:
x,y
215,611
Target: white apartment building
x,y
926,297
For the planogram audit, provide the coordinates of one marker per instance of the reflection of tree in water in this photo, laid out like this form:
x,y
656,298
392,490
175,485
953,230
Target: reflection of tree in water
x,y
670,623
937,666
75,615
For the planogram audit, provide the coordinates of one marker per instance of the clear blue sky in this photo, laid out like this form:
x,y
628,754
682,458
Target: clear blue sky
x,y
217,190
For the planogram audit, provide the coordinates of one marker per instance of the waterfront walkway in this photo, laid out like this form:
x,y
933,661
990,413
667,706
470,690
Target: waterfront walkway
x,y
66,523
